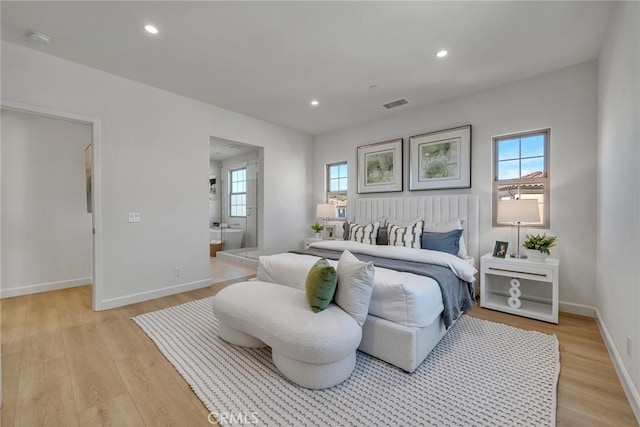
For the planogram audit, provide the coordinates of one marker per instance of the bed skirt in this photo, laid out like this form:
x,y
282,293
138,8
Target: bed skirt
x,y
402,346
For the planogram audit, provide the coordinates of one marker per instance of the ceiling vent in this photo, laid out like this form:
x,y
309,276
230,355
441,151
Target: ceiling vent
x,y
395,104
233,146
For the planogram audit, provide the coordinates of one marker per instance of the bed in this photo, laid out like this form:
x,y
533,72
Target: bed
x,y
418,294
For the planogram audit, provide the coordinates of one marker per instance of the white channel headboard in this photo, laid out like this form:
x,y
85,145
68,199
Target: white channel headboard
x,y
430,208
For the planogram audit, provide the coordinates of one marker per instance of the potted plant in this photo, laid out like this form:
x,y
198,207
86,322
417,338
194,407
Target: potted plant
x,y
317,228
538,245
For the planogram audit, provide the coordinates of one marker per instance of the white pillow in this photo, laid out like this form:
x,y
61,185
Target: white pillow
x,y
381,220
355,286
404,223
364,233
409,236
443,227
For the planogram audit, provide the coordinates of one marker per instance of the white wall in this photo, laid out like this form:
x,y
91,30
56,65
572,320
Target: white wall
x,y
564,100
46,228
618,237
155,160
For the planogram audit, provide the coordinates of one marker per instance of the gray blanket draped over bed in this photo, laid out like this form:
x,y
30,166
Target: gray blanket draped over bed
x,y
457,295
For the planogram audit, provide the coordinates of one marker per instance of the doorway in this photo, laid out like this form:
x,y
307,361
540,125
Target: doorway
x,y
46,221
234,198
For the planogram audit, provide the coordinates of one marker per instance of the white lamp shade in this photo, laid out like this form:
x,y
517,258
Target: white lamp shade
x,y
325,210
518,210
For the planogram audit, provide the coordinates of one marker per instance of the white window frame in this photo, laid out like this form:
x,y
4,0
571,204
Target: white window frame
x,y
231,193
329,194
517,183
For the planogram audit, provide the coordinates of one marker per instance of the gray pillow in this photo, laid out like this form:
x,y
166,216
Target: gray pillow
x,y
345,230
455,224
355,286
383,236
448,242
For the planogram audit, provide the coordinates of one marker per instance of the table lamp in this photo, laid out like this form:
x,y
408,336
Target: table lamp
x,y
325,211
518,211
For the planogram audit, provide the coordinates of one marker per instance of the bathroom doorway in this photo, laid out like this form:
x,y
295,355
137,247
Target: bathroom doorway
x,y
235,170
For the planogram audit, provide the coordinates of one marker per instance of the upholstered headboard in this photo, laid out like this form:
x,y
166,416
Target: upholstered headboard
x,y
431,208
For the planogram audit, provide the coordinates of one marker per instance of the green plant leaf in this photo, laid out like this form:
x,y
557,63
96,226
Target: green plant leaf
x,y
317,227
540,242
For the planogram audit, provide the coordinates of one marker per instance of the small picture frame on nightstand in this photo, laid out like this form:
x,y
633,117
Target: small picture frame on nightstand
x,y
500,249
329,232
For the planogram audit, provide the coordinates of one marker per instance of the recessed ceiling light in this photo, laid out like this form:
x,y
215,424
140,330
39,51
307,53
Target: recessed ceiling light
x,y
442,53
314,102
39,38
151,29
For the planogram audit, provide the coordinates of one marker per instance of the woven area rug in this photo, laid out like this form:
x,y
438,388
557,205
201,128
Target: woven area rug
x,y
480,374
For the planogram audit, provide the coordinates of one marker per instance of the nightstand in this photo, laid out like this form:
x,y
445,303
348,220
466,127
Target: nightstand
x,y
503,282
310,240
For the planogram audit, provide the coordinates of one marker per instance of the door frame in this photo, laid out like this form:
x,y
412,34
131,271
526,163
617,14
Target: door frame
x,y
96,185
223,179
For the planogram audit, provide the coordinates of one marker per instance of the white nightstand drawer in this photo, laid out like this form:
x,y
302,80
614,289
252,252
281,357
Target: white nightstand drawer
x,y
525,272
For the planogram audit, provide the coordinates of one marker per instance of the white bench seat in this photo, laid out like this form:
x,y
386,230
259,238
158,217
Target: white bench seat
x,y
314,350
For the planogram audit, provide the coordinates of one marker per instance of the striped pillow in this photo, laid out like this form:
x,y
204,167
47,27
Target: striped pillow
x,y
364,233
410,236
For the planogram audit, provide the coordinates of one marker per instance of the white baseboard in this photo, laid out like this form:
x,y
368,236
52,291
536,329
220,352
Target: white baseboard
x,y
579,309
156,293
627,383
43,287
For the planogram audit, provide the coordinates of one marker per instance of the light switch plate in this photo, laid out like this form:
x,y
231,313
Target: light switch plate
x,y
134,216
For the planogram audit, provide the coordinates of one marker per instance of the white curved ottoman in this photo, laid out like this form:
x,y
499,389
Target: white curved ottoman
x,y
314,350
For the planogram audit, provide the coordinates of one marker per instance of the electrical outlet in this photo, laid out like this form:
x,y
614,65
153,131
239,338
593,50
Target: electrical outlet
x,y
628,346
178,272
134,216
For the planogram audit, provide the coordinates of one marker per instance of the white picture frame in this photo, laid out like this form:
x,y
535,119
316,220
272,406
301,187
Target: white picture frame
x,y
440,160
329,232
380,167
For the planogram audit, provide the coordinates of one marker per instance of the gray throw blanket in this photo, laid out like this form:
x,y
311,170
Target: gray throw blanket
x,y
458,296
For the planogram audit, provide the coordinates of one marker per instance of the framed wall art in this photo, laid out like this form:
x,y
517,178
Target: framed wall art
x,y
380,167
440,160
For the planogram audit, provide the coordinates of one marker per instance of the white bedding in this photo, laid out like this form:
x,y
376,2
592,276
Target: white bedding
x,y
403,298
460,267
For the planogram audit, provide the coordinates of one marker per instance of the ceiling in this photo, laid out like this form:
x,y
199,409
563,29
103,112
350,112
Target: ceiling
x,y
269,59
223,149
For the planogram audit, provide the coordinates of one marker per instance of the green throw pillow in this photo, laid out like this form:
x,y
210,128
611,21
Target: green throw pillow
x,y
321,285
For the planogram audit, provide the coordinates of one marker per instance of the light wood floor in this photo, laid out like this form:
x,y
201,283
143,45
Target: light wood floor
x,y
65,365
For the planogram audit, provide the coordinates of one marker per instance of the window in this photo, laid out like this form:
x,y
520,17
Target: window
x,y
238,193
521,171
337,188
